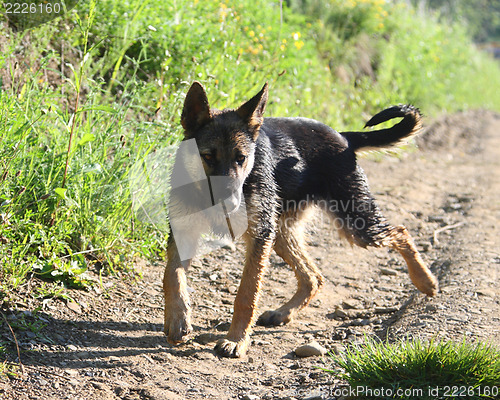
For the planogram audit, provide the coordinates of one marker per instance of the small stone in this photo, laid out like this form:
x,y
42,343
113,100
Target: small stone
x,y
206,338
316,375
437,218
232,289
425,246
339,313
114,358
310,349
250,397
350,304
98,385
431,308
73,306
337,349
487,292
360,322
385,310
388,271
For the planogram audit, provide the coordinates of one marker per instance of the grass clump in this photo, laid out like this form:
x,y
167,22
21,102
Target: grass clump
x,y
417,369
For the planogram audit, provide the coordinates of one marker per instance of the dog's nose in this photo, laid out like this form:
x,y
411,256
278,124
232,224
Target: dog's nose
x,y
221,188
232,203
225,190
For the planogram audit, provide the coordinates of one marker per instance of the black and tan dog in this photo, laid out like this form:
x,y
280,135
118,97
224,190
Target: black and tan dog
x,y
280,169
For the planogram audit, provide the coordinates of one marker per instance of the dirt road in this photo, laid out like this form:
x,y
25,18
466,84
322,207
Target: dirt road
x,y
109,344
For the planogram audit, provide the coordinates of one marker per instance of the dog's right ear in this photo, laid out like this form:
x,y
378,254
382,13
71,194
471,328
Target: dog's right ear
x,y
196,111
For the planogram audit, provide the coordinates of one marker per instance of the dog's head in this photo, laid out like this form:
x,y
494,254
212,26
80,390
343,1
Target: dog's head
x,y
226,141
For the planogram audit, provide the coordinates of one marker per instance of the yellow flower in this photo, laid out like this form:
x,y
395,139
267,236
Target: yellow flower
x,y
251,33
299,44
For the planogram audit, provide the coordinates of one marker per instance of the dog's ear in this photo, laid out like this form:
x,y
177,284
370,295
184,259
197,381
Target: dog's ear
x,y
196,111
252,111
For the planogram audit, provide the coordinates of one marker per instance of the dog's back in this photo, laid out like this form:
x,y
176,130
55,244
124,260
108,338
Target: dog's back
x,y
313,161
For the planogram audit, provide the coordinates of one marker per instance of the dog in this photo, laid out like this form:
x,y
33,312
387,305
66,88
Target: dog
x,y
278,169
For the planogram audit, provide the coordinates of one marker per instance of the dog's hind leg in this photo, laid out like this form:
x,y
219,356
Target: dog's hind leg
x,y
360,220
290,246
399,239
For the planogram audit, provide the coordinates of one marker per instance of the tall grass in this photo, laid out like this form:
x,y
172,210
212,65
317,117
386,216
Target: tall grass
x,y
86,97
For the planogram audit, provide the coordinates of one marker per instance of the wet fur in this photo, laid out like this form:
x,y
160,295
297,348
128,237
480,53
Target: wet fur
x,y
290,167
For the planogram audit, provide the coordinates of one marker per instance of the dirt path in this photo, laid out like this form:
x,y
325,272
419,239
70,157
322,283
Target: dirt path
x,y
109,344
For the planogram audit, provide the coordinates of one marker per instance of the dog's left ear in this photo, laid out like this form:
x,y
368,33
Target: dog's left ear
x,y
252,111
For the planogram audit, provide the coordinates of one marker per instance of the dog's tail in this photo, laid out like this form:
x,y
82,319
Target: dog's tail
x,y
408,126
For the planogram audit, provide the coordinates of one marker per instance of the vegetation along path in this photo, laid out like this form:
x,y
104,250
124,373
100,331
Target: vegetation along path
x,y
108,342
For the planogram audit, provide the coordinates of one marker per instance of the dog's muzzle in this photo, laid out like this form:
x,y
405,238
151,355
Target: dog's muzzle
x,y
223,191
233,202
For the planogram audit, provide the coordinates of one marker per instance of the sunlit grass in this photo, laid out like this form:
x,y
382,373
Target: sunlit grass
x,y
437,368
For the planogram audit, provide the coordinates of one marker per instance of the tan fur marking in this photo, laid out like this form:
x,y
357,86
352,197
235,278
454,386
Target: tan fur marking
x,y
290,246
177,317
245,304
400,240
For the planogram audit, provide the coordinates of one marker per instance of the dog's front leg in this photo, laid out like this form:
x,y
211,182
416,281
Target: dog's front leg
x,y
177,306
236,342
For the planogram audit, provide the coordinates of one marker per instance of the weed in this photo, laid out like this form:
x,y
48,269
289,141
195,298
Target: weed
x,y
433,368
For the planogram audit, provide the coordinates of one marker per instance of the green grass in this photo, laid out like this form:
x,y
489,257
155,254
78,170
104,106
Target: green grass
x,y
435,369
86,98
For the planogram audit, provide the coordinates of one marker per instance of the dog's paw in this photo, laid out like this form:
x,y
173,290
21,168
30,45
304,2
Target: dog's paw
x,y
429,286
177,328
274,318
230,349
425,281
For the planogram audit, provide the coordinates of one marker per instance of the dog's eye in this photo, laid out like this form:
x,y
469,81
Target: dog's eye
x,y
241,159
209,158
